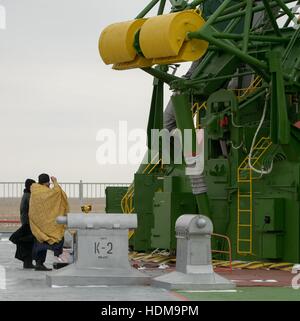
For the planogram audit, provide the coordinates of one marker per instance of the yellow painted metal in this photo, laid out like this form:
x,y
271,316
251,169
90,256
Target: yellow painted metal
x,y
282,265
161,257
163,38
127,200
245,198
116,45
138,62
196,110
244,92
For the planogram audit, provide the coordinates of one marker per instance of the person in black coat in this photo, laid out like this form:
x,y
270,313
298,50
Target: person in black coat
x,y
23,237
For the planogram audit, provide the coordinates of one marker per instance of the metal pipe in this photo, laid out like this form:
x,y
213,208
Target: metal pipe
x,y
235,7
147,9
229,48
98,221
251,37
247,25
184,121
217,13
164,76
161,7
207,58
272,18
196,81
285,9
254,10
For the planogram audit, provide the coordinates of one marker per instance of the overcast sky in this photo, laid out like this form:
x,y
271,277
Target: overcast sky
x,y
56,93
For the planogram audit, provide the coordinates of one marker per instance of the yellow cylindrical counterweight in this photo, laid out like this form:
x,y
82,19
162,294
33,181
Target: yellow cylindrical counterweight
x,y
116,42
161,40
165,36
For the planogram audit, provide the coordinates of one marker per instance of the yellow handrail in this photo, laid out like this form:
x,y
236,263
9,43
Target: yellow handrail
x,y
196,109
244,92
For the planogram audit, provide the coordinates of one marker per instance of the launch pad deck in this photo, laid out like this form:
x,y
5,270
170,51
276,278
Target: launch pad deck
x,y
30,285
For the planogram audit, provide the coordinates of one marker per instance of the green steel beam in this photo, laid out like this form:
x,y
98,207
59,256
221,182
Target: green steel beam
x,y
207,58
254,10
184,120
285,9
280,124
161,7
235,7
232,24
200,80
258,93
208,36
155,120
247,25
251,37
290,46
148,8
272,18
217,13
164,76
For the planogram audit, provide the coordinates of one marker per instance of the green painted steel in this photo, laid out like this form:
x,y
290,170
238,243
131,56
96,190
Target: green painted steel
x,y
247,49
113,197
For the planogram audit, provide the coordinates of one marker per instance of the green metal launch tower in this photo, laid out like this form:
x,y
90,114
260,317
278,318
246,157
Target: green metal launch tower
x,y
239,103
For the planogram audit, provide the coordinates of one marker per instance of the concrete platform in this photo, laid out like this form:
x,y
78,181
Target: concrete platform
x,y
72,276
180,281
30,285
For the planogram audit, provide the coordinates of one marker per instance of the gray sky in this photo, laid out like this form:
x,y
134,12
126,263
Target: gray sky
x,y
56,93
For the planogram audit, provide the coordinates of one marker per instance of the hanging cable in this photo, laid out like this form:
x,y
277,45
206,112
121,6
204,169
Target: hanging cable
x,y
262,171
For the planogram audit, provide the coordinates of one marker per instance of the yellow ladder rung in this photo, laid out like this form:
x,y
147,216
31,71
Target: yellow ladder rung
x,y
244,178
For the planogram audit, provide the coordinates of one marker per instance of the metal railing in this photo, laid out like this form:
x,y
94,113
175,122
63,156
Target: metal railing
x,y
80,190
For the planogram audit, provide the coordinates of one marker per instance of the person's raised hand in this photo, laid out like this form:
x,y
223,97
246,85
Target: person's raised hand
x,y
53,179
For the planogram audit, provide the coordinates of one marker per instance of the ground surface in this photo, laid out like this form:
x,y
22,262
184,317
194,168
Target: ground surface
x,y
31,286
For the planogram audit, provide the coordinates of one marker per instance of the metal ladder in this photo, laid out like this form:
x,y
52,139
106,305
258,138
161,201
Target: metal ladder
x,y
245,198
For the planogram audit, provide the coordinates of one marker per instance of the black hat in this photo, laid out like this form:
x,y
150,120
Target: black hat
x,y
44,178
28,184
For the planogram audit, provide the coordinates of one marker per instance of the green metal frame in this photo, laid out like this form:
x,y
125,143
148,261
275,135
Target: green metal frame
x,y
237,49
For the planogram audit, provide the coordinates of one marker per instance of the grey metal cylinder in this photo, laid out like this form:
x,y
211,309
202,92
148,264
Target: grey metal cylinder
x,y
99,221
